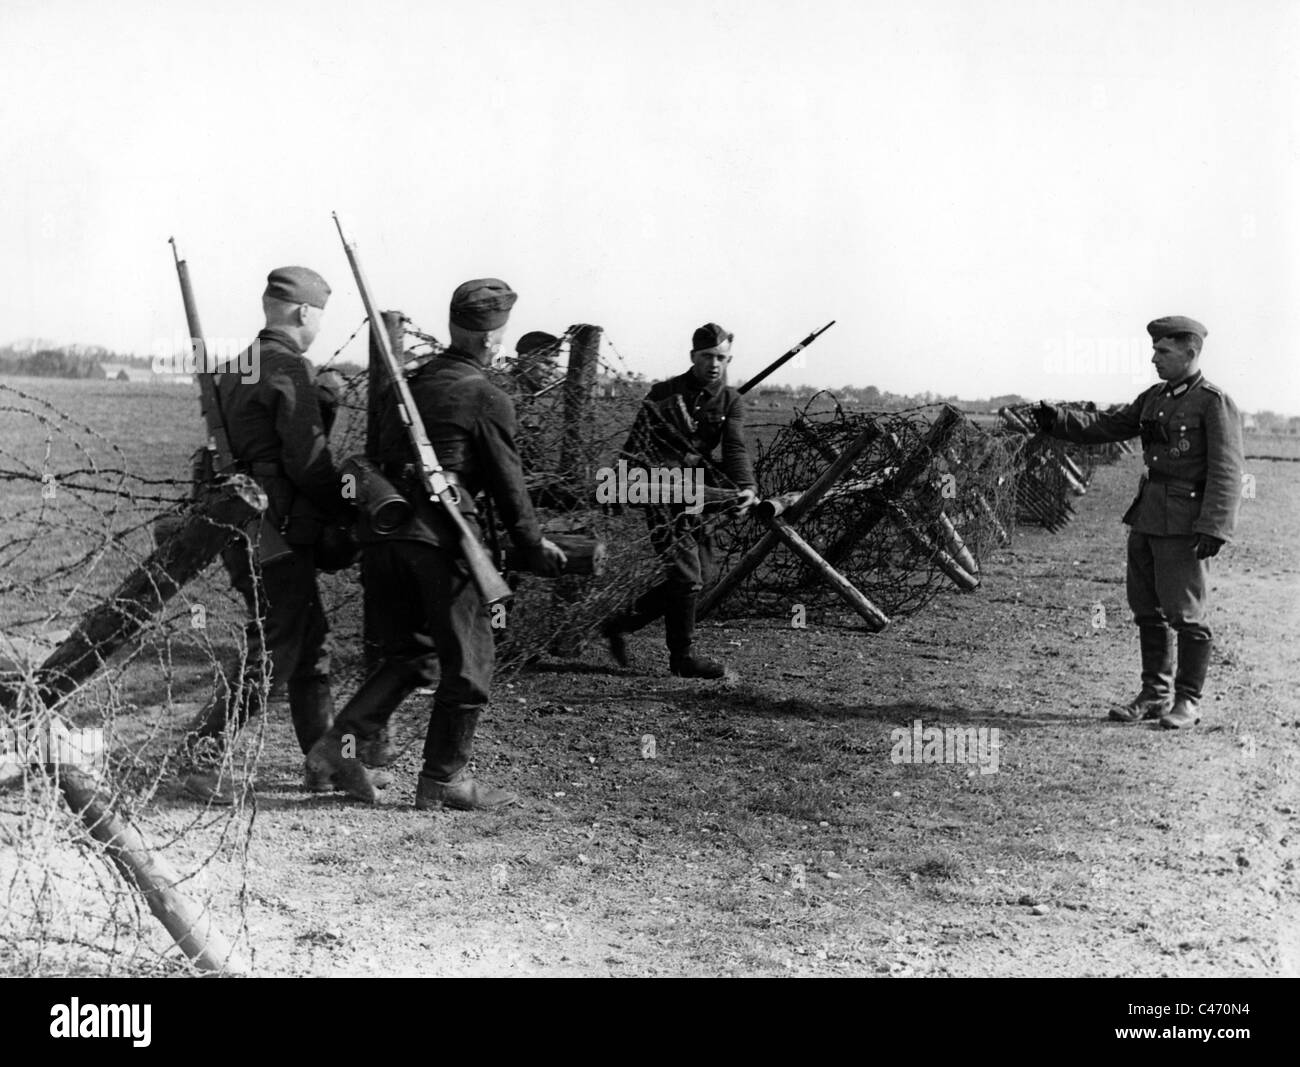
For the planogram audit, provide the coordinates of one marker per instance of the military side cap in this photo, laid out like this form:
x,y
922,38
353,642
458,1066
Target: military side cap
x,y
1172,324
533,340
482,304
297,285
710,335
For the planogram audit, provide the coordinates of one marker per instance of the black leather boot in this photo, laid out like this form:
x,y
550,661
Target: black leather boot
x,y
446,781
311,706
679,631
1156,697
645,609
336,761
1193,665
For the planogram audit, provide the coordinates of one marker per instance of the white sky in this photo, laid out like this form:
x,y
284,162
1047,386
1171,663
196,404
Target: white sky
x,y
986,196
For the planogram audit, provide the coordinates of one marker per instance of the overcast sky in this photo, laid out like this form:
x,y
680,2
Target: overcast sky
x,y
988,197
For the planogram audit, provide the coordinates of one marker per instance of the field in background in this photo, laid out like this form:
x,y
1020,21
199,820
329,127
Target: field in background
x,y
771,833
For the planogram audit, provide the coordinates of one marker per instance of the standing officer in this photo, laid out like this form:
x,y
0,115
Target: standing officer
x,y
277,434
435,624
1184,512
683,422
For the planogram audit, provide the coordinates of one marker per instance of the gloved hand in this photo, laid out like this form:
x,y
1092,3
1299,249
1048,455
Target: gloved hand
x,y
546,560
1207,546
745,499
1044,416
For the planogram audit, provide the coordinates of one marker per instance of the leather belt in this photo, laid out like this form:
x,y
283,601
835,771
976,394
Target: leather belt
x,y
1161,478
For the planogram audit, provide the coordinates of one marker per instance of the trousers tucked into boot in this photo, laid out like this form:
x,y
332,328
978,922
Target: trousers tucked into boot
x,y
1156,698
679,635
311,706
445,780
1189,682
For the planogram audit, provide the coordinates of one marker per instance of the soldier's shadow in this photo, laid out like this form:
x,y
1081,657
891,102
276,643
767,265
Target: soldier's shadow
x,y
748,700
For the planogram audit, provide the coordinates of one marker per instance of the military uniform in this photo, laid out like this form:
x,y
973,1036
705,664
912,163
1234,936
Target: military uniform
x,y
1192,447
435,624
683,423
277,435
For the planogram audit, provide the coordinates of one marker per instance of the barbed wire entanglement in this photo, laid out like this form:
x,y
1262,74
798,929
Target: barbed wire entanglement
x,y
88,754
110,647
922,497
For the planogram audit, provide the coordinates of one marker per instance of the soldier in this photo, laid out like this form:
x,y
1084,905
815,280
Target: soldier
x,y
683,421
534,366
1184,512
436,625
277,435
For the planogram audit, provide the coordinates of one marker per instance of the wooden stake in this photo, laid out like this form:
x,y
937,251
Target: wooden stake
x,y
579,386
956,546
876,619
961,578
190,926
791,512
222,510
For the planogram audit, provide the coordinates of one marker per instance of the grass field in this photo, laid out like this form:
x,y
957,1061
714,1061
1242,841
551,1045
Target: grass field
x,y
769,829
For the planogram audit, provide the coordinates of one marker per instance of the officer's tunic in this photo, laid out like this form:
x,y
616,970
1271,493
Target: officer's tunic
x,y
1192,447
434,622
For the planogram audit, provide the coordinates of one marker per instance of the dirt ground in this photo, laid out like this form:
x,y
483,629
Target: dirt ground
x,y
772,834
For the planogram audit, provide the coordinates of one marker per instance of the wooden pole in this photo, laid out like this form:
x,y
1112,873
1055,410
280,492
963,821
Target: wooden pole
x,y
190,926
960,577
876,619
956,546
222,509
807,499
579,386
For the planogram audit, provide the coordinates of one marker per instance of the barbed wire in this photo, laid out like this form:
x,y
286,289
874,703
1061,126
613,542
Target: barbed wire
x,y
79,513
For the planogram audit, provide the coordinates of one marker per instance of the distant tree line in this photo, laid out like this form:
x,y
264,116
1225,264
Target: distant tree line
x,y
1272,422
51,363
869,396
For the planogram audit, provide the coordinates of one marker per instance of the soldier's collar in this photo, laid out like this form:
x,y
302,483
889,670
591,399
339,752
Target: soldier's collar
x,y
711,388
1182,387
275,333
461,357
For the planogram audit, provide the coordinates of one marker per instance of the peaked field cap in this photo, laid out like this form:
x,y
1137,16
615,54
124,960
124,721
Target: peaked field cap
x,y
297,285
1172,324
710,335
533,340
482,304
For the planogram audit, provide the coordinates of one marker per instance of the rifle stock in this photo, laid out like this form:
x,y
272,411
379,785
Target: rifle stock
x,y
491,586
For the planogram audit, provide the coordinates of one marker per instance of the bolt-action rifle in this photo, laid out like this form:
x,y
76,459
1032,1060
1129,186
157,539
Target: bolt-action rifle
x,y
491,586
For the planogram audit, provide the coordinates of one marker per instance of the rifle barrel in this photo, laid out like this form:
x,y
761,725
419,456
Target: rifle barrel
x,y
776,364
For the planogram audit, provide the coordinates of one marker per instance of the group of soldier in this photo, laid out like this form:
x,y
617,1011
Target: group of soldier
x,y
432,623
